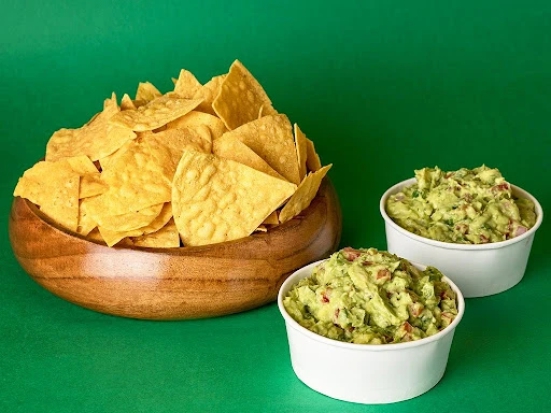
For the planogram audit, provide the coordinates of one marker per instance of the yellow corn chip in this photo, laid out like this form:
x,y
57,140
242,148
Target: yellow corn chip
x,y
95,236
139,103
229,147
138,236
157,224
54,186
37,182
160,221
62,212
111,237
196,118
216,200
147,92
140,174
178,140
271,219
271,137
82,165
131,220
97,139
165,237
261,111
205,133
104,162
302,150
154,114
137,178
90,179
127,103
208,93
313,162
85,222
240,98
187,85
261,228
304,194
91,185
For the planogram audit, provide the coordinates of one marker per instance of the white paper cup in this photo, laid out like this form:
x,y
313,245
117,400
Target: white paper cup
x,y
478,270
367,373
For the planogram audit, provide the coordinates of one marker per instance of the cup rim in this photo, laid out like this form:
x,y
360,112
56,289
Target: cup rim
x,y
453,246
292,323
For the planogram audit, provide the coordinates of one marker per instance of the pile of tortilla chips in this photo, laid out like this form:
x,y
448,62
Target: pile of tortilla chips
x,y
200,164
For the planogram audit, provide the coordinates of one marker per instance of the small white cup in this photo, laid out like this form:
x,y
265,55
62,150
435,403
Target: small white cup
x,y
478,270
367,373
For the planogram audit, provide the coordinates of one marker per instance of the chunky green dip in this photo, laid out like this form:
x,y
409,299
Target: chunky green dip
x,y
372,297
467,206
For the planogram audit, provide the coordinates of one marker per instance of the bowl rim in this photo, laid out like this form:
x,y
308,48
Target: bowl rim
x,y
454,246
306,271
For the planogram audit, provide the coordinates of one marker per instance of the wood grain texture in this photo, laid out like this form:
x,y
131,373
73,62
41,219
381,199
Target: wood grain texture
x,y
175,283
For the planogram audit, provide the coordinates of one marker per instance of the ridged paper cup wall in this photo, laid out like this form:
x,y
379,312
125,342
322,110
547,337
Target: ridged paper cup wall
x,y
367,373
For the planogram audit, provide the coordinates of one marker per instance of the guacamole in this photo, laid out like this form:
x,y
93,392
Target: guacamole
x,y
368,296
467,206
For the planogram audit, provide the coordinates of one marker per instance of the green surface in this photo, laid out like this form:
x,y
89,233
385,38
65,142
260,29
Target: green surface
x,y
382,87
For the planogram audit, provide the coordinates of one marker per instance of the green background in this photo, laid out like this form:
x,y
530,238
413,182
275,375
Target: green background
x,y
381,87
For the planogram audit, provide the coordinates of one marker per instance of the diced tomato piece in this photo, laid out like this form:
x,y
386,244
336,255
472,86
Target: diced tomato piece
x,y
501,187
383,275
326,295
351,253
520,230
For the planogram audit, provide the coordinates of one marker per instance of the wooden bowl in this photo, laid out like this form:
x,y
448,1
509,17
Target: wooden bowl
x,y
173,283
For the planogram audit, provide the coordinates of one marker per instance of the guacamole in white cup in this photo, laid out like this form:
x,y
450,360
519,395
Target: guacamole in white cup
x,y
368,296
467,206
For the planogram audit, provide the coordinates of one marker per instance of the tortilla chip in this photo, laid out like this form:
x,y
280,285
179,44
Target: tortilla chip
x,y
208,93
111,237
97,139
160,221
178,140
147,92
82,164
91,185
54,187
129,221
154,114
196,118
165,237
95,236
216,200
240,98
304,195
272,219
271,137
85,221
230,147
302,150
187,85
127,103
137,178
